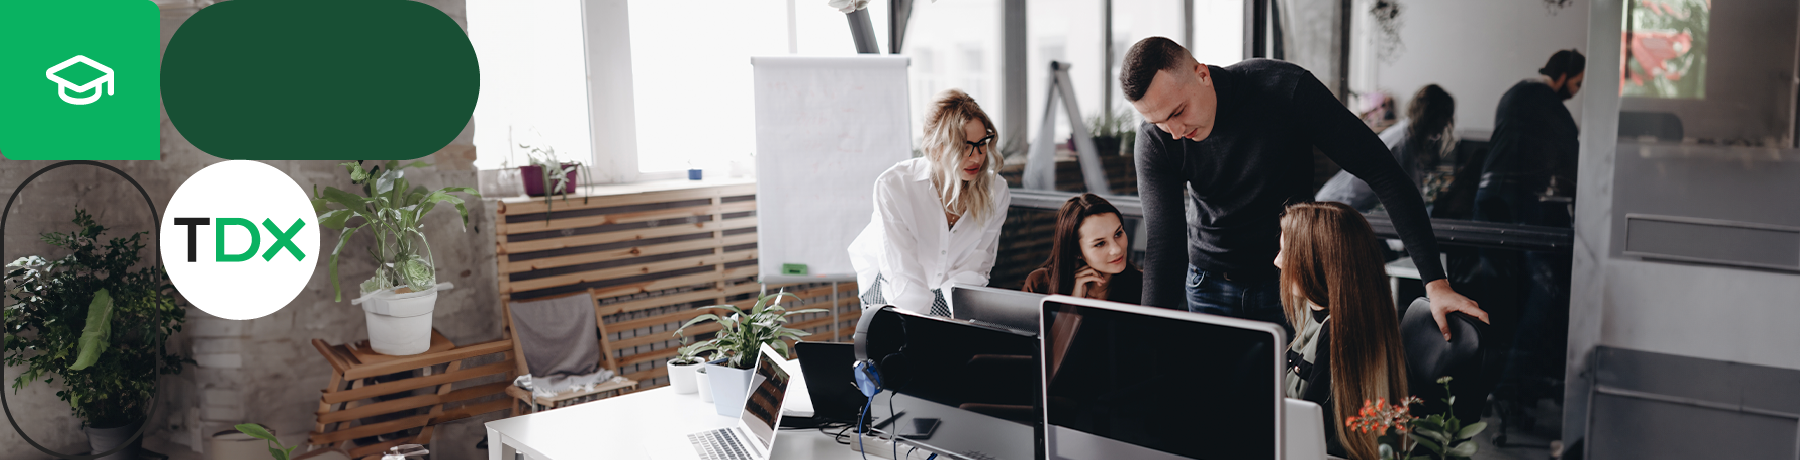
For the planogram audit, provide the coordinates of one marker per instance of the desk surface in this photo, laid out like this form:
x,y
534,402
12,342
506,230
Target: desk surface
x,y
631,426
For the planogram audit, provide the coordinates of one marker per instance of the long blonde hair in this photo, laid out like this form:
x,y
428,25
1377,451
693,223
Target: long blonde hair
x,y
945,147
1331,258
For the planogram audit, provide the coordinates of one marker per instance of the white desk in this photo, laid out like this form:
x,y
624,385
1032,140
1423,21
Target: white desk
x,y
623,427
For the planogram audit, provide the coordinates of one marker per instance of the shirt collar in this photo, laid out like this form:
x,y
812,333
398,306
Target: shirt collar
x,y
921,169
1224,86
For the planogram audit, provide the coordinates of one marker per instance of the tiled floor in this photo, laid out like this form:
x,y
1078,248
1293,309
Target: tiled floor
x,y
1522,444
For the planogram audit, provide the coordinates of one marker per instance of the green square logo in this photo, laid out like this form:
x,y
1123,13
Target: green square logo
x,y
79,80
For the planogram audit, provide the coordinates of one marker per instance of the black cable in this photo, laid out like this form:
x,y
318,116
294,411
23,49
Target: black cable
x,y
839,437
894,437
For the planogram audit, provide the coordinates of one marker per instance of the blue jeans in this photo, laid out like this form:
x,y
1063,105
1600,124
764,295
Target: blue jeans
x,y
1210,293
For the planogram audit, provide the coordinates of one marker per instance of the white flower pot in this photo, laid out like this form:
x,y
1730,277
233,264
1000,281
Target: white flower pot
x,y
681,376
703,383
729,386
400,324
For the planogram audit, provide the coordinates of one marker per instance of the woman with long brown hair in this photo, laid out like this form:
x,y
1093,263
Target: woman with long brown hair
x,y
937,219
1335,293
1089,255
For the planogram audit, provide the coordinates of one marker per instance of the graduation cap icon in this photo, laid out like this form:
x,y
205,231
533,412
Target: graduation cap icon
x,y
63,86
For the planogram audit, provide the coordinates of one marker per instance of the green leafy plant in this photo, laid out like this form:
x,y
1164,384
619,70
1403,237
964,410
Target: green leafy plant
x,y
1401,434
691,353
92,320
555,175
743,332
394,210
276,449
1113,131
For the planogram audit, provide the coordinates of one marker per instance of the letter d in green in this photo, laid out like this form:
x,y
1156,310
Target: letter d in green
x,y
219,240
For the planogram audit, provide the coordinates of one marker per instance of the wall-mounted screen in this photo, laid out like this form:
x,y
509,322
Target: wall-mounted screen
x,y
1665,56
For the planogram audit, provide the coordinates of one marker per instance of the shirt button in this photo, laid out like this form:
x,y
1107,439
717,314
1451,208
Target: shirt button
x,y
943,252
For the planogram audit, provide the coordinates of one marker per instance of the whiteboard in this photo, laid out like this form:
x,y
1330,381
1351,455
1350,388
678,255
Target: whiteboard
x,y
826,127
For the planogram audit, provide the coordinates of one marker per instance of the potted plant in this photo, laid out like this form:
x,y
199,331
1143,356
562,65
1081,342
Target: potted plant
x,y
687,359
548,176
1401,435
739,341
97,324
397,301
1113,132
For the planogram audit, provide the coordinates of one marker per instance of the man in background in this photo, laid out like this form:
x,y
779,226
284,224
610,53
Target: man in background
x,y
1223,152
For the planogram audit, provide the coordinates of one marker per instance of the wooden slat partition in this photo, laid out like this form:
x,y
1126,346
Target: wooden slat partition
x,y
651,255
356,407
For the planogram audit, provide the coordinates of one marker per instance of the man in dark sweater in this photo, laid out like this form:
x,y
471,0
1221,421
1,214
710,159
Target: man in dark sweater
x,y
1535,148
1224,151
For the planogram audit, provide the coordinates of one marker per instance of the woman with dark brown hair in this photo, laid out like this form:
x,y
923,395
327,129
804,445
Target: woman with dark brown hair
x,y
1089,256
1335,293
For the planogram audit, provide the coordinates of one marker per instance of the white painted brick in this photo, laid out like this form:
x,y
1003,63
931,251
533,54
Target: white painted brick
x,y
210,327
207,345
222,413
220,360
221,396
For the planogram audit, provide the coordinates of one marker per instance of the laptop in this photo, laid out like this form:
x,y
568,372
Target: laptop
x,y
826,367
754,435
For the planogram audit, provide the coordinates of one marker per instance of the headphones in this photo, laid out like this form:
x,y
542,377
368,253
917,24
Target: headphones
x,y
865,370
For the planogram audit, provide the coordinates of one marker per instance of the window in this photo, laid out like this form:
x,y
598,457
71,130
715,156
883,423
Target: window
x,y
953,44
691,78
1066,31
532,86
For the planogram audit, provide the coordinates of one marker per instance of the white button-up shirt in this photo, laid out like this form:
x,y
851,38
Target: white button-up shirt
x,y
912,245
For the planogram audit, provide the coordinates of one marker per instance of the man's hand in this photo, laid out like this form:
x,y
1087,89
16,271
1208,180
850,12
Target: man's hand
x,y
1445,300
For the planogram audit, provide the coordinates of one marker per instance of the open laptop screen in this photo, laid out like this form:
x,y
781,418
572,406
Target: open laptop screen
x,y
1138,382
762,410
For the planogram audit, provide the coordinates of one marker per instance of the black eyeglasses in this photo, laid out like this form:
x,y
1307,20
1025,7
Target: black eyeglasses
x,y
975,146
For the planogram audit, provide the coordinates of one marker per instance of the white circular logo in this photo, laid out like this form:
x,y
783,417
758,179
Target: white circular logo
x,y
240,239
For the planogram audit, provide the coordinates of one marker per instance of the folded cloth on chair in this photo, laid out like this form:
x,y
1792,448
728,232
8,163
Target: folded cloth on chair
x,y
550,387
558,337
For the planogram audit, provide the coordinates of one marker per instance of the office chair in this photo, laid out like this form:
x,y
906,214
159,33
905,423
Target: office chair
x,y
1429,357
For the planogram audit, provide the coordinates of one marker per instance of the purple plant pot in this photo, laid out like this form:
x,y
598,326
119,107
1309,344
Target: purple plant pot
x,y
533,178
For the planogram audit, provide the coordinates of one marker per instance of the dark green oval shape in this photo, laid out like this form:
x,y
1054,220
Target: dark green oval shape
x,y
320,79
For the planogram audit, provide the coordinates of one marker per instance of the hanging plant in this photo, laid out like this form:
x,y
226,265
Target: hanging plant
x,y
1387,23
1556,6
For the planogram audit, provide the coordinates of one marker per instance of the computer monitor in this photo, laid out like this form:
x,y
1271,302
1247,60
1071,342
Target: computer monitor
x,y
980,382
829,383
1004,307
1127,381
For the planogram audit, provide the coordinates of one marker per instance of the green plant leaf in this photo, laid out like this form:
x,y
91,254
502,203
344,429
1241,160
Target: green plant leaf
x,y
1434,435
257,431
334,219
351,202
277,454
98,332
1425,442
343,238
1471,430
1466,449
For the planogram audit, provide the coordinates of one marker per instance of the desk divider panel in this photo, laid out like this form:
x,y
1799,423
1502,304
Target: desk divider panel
x,y
653,258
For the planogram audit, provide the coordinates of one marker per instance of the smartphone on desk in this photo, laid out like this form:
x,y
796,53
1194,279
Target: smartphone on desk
x,y
920,429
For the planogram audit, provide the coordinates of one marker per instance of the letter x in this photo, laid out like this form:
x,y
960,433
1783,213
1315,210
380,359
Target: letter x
x,y
284,239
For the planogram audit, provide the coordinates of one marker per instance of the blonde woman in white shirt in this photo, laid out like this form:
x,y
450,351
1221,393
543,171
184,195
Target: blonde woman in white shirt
x,y
937,218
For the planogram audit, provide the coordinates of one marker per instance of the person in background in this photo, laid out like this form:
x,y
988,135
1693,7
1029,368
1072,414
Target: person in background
x,y
1223,150
1418,142
1090,255
937,219
1529,179
1335,294
1535,148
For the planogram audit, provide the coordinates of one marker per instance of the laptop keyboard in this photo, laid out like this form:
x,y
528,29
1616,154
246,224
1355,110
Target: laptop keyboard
x,y
719,445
